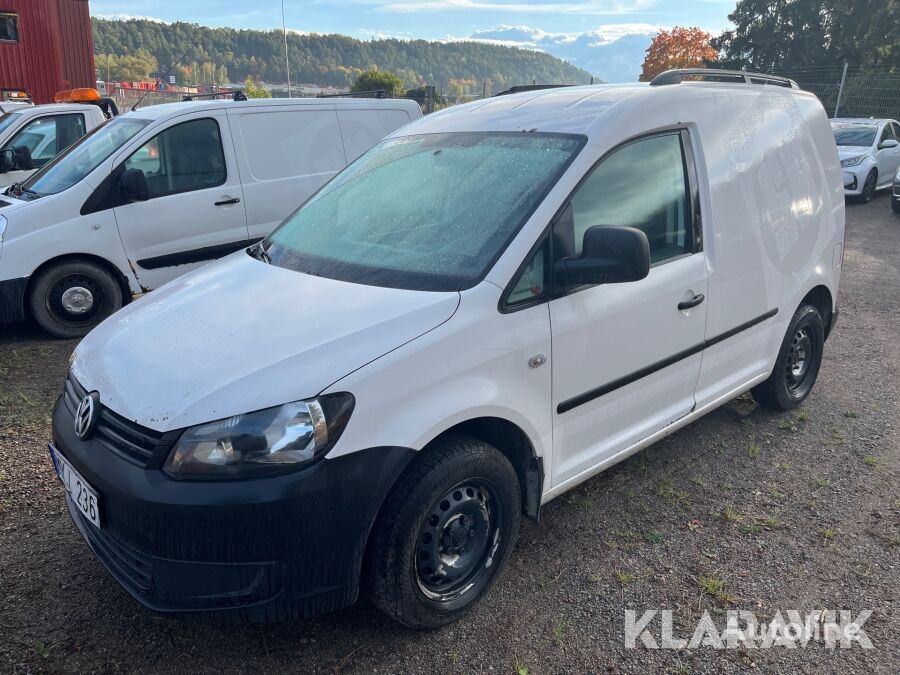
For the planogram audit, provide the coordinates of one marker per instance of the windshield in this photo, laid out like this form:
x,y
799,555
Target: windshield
x,y
84,156
856,135
7,120
429,212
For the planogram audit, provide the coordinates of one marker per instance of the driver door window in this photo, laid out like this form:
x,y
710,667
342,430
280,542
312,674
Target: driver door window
x,y
643,185
182,158
45,137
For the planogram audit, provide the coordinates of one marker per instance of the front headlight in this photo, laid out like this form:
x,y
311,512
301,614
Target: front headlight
x,y
263,443
853,161
3,223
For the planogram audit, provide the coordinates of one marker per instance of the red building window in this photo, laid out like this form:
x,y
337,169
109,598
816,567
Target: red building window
x,y
9,27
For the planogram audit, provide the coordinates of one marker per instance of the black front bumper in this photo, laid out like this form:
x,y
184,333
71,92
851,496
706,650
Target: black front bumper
x,y
273,549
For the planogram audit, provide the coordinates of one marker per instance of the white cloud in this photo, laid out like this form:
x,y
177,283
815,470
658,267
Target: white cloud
x,y
613,52
130,17
596,7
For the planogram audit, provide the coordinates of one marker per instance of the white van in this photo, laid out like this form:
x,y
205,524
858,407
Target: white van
x,y
488,308
32,135
156,192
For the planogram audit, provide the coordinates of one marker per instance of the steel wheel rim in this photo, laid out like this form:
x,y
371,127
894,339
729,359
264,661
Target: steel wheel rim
x,y
799,362
62,289
458,540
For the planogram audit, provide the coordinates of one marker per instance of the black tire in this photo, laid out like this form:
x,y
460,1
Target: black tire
x,y
467,492
869,186
80,284
798,362
895,204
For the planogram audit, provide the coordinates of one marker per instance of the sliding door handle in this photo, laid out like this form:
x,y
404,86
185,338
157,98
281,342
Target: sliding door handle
x,y
228,200
693,302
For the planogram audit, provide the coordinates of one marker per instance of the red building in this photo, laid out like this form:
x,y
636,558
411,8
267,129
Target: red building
x,y
45,46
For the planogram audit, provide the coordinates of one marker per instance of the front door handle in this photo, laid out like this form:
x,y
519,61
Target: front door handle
x,y
228,200
693,302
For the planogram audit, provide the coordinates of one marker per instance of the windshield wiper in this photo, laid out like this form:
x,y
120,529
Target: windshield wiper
x,y
17,190
258,252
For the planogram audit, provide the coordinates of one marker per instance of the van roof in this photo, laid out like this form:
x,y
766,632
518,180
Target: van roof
x,y
574,109
155,112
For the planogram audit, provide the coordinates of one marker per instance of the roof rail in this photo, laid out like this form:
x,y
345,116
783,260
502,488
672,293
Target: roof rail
x,y
234,94
374,93
530,87
714,74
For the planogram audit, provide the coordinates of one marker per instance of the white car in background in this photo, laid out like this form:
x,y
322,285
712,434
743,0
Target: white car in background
x,y
155,192
870,154
44,131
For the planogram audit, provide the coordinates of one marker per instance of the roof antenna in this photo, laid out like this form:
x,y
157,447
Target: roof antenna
x,y
160,79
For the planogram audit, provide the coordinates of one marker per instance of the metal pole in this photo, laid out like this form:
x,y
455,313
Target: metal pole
x,y
837,106
287,63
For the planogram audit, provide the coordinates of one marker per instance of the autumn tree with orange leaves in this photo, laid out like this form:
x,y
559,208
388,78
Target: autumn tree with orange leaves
x,y
677,48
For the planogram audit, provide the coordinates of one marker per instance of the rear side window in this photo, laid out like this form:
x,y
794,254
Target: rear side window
x,y
9,27
362,129
183,158
45,137
291,143
642,185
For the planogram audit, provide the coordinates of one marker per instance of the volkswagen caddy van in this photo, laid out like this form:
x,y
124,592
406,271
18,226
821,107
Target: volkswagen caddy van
x,y
489,307
159,191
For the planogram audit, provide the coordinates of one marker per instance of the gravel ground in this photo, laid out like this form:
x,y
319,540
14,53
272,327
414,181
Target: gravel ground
x,y
742,510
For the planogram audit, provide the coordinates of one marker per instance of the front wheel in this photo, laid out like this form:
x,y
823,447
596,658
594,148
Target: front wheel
x,y
68,299
444,533
797,364
895,204
869,186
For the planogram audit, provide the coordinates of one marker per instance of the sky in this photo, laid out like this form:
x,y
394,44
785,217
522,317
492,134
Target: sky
x,y
429,19
607,38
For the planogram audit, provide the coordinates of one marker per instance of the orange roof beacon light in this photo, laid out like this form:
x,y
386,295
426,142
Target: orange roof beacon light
x,y
84,95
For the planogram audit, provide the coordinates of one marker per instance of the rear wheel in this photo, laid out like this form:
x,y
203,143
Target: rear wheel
x,y
444,533
868,190
68,299
797,364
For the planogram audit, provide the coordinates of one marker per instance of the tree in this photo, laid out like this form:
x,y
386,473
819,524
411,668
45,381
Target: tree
x,y
677,48
373,80
777,35
255,90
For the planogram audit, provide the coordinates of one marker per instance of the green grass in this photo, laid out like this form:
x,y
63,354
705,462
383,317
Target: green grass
x,y
717,588
754,451
583,502
871,460
625,578
559,630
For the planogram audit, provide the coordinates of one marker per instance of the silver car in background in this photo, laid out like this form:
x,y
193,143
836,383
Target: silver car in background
x,y
870,154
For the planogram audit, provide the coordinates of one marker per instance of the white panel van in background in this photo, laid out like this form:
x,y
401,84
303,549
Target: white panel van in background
x,y
159,191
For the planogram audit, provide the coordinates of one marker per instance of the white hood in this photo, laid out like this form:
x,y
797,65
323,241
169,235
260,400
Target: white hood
x,y
240,335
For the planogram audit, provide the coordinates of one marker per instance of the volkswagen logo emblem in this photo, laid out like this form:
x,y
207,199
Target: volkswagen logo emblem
x,y
86,415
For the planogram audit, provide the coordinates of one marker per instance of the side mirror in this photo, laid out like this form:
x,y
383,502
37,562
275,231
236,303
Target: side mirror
x,y
133,186
888,143
609,255
22,158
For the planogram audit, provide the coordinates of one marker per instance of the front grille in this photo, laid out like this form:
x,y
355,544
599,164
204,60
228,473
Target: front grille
x,y
131,441
124,561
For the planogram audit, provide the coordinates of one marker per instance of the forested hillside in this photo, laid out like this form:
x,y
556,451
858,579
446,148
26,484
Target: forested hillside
x,y
133,49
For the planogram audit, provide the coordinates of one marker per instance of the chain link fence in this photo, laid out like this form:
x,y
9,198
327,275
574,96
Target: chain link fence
x,y
852,90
